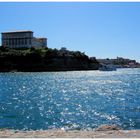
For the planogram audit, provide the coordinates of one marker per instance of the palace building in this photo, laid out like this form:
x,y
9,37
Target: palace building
x,y
20,39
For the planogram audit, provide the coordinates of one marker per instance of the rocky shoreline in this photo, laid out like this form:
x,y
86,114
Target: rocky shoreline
x,y
105,131
44,59
52,60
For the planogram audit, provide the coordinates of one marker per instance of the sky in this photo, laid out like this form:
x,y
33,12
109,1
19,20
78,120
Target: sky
x,y
100,29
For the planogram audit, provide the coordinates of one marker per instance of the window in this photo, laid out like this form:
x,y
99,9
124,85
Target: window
x,y
9,41
12,41
26,41
29,41
22,41
15,41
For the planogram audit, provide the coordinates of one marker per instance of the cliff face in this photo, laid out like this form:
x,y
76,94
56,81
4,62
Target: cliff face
x,y
45,60
70,63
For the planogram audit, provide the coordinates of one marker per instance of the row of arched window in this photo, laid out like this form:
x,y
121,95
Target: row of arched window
x,y
17,41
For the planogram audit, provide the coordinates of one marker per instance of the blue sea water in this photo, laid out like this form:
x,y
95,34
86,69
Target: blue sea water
x,y
70,100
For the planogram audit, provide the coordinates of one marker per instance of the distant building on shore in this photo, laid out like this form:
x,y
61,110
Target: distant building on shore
x,y
120,62
21,39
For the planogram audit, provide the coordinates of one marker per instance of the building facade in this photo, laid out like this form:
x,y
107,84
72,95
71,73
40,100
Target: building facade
x,y
22,39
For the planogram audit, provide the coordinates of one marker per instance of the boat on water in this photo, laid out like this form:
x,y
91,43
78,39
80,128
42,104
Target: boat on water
x,y
107,68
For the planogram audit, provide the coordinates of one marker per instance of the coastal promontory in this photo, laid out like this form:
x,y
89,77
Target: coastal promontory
x,y
44,59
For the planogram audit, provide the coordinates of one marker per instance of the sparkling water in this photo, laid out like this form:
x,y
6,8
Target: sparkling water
x,y
70,100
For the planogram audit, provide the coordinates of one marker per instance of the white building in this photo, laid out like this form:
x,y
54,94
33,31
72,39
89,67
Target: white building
x,y
20,39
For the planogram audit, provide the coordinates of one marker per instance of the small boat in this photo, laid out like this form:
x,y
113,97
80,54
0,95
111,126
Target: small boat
x,y
107,68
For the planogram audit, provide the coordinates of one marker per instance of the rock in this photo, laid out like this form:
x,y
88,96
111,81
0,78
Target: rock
x,y
107,128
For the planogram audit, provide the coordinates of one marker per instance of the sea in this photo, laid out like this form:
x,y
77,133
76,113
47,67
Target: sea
x,y
72,100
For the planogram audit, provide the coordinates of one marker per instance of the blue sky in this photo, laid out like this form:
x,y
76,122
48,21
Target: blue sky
x,y
104,30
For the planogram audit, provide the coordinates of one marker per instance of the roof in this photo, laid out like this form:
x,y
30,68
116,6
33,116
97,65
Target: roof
x,y
19,31
42,38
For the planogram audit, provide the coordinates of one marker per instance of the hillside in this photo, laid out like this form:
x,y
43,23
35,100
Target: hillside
x,y
44,59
